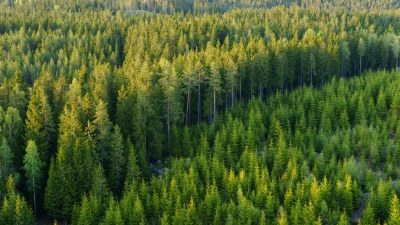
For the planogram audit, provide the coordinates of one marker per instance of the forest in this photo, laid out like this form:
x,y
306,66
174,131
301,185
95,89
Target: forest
x,y
199,112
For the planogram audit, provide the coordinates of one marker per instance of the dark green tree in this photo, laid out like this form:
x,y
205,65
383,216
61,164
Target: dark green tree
x,y
116,160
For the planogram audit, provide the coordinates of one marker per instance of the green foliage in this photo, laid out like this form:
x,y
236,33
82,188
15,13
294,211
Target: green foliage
x,y
15,209
33,169
39,123
108,89
102,126
116,160
6,163
394,216
133,171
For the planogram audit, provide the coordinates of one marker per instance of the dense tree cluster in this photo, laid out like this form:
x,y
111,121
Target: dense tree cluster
x,y
256,114
192,6
318,163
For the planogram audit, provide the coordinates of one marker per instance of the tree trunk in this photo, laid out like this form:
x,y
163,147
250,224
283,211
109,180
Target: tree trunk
x,y
311,73
342,68
188,107
301,71
199,102
215,116
260,87
240,87
168,129
233,98
34,191
251,86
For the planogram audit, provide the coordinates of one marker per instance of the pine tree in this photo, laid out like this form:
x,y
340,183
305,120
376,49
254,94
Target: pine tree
x,y
53,197
13,127
361,51
15,209
103,127
215,82
368,216
191,213
348,196
176,149
113,214
33,169
23,214
99,83
165,219
133,170
85,214
187,147
6,162
99,187
394,216
380,199
83,167
6,212
17,95
343,219
282,220
381,104
39,122
116,159
171,88
246,211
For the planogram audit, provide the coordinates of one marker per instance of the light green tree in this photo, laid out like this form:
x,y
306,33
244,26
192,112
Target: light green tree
x,y
368,216
394,216
33,169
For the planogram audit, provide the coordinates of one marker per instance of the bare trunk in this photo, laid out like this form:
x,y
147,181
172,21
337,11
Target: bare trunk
x,y
251,86
311,73
215,116
360,65
34,201
102,155
240,87
168,129
342,68
210,115
301,71
188,106
199,102
233,98
34,192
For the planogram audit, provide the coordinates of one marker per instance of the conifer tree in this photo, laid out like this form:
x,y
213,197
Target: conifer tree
x,y
33,169
13,126
53,197
103,127
116,159
113,214
15,209
6,162
343,219
133,170
394,216
368,216
39,123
